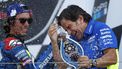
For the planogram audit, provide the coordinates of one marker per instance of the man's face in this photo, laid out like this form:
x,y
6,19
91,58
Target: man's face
x,y
21,25
74,28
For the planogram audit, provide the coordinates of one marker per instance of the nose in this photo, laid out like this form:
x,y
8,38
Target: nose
x,y
26,23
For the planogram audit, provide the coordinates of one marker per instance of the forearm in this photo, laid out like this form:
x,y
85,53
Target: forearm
x,y
57,56
55,50
108,59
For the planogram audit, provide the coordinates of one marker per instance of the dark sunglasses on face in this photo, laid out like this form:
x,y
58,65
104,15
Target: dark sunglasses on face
x,y
23,20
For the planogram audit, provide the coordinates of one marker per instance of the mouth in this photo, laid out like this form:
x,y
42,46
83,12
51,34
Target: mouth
x,y
75,34
25,30
78,35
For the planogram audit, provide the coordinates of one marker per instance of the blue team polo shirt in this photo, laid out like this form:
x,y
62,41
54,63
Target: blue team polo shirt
x,y
97,37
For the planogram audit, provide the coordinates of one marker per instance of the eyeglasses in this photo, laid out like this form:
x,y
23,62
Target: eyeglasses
x,y
23,20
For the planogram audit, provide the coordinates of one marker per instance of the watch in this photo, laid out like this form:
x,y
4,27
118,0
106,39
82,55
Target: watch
x,y
93,62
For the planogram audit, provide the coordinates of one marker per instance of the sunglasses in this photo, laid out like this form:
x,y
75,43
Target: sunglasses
x,y
23,20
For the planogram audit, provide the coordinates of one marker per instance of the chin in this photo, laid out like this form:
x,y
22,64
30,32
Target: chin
x,y
79,38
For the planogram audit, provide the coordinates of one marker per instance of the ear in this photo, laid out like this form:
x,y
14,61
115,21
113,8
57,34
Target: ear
x,y
80,19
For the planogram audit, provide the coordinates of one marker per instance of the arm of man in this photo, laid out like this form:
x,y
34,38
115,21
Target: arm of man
x,y
56,53
107,44
57,56
109,58
15,49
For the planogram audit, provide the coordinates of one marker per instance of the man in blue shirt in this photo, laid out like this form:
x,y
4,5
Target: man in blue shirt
x,y
96,38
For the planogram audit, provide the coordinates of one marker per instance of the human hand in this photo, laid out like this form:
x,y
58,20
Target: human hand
x,y
52,32
84,62
26,62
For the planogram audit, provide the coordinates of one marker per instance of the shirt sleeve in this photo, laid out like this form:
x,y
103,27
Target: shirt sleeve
x,y
106,37
16,51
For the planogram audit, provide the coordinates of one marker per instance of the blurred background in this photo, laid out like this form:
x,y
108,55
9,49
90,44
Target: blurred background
x,y
45,11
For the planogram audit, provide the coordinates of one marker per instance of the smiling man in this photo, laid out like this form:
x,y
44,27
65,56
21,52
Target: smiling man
x,y
96,38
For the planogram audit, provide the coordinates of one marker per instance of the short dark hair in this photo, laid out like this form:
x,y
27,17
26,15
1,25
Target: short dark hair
x,y
10,21
72,13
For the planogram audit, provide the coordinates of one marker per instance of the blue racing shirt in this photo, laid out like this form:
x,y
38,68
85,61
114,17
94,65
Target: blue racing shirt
x,y
97,37
14,54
